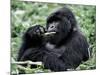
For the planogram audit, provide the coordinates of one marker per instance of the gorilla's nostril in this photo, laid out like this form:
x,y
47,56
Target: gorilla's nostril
x,y
52,26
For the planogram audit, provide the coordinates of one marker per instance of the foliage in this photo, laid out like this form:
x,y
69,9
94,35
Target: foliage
x,y
26,14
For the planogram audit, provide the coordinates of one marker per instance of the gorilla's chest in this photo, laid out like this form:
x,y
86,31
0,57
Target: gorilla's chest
x,y
57,50
50,46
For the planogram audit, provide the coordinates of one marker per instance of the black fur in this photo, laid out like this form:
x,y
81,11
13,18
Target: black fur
x,y
65,49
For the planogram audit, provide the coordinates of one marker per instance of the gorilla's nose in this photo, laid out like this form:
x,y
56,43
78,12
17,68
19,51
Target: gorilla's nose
x,y
51,29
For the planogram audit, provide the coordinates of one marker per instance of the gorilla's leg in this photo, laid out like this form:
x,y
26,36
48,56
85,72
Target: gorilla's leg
x,y
53,63
33,54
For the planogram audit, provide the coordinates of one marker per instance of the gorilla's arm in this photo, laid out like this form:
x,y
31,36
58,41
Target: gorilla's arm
x,y
31,39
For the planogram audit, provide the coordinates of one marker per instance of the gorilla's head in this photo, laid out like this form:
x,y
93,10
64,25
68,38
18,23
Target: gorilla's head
x,y
62,22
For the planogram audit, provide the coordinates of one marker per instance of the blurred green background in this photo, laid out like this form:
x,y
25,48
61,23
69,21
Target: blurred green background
x,y
26,14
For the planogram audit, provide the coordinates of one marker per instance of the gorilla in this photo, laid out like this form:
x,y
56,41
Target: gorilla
x,y
59,46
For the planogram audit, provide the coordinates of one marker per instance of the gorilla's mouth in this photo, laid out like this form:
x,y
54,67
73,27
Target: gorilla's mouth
x,y
50,33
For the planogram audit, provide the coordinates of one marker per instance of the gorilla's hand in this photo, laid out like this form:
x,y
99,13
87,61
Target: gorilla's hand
x,y
34,34
35,30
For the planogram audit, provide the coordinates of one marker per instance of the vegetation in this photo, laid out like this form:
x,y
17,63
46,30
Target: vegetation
x,y
26,14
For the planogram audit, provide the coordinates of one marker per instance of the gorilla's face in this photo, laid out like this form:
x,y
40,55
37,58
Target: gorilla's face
x,y
60,25
62,22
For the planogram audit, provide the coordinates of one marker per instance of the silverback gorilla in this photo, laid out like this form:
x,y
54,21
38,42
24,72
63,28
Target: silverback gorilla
x,y
59,46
